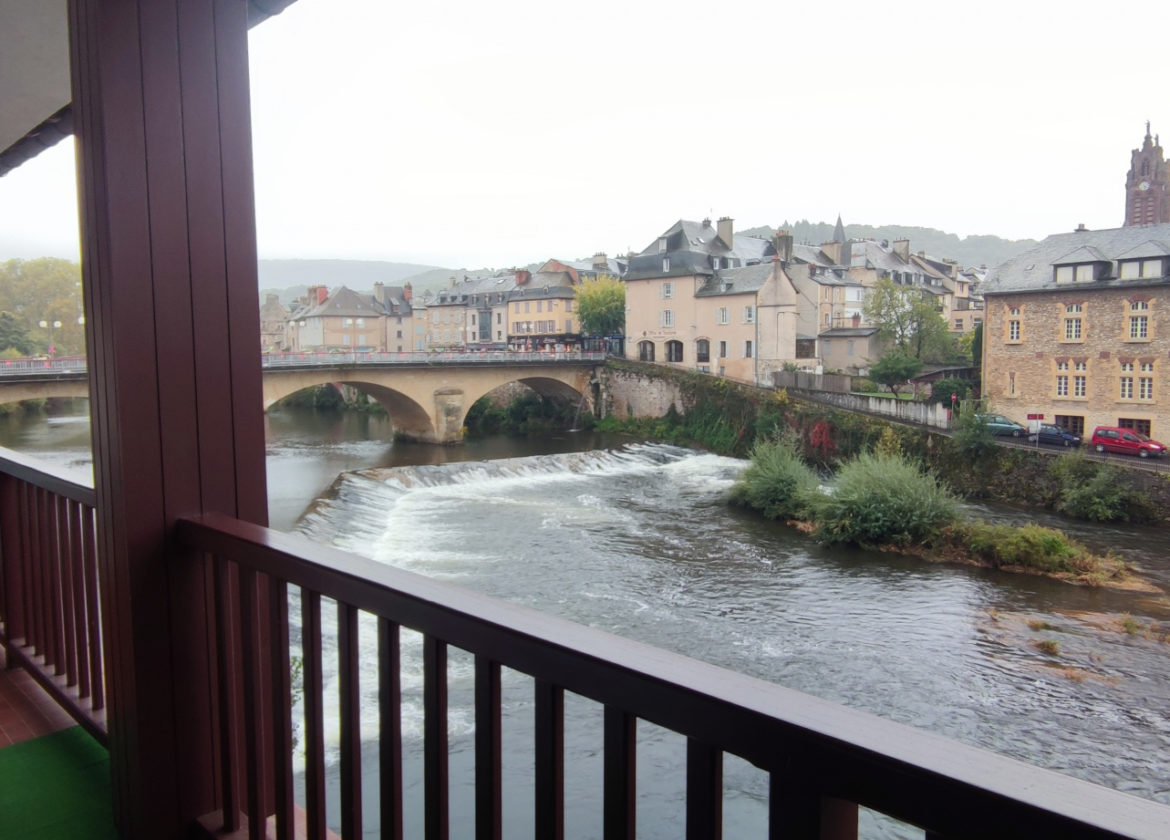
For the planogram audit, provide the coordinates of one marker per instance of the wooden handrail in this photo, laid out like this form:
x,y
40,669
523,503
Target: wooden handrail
x,y
818,752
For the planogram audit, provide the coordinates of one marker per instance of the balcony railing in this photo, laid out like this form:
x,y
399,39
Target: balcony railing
x,y
823,760
49,593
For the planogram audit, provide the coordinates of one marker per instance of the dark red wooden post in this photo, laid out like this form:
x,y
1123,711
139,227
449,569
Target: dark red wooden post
x,y
161,114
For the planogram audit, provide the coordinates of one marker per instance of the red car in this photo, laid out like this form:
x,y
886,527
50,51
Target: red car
x,y
1127,442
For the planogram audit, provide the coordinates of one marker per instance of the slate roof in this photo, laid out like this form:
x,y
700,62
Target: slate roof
x,y
460,294
736,281
690,246
1033,270
812,255
346,302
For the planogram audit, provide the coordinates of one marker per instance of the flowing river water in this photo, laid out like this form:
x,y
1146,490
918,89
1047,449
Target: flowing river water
x,y
638,539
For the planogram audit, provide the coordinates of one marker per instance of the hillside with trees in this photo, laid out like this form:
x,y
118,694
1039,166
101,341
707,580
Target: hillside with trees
x,y
969,252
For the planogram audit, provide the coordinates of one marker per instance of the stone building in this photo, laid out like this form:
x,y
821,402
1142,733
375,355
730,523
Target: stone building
x,y
1147,185
1078,329
273,318
349,321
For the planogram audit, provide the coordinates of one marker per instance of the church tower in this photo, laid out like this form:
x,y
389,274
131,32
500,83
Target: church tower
x,y
1147,186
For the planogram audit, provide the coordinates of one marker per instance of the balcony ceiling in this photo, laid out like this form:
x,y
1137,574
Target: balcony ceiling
x,y
34,85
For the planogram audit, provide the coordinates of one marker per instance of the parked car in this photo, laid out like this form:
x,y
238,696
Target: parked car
x,y
1055,436
1000,425
1127,442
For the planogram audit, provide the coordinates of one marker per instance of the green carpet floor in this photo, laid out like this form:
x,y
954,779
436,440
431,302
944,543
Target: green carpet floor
x,y
56,787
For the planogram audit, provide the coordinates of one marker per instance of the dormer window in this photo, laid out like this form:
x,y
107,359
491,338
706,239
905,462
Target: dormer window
x,y
1084,273
1136,269
662,244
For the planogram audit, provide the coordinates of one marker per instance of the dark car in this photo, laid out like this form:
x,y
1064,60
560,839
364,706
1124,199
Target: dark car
x,y
1127,442
1055,436
1000,425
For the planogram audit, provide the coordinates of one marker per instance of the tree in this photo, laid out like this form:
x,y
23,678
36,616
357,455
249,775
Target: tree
x,y
14,335
45,289
893,369
601,306
908,318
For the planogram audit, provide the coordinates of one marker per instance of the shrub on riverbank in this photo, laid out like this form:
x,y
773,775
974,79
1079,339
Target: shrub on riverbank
x,y
883,499
1029,547
777,482
1097,492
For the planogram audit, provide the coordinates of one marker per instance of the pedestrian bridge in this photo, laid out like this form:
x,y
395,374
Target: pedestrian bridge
x,y
427,395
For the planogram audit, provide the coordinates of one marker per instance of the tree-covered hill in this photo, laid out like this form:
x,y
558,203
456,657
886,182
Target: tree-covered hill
x,y
969,252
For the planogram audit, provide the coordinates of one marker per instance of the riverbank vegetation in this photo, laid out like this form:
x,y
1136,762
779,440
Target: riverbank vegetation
x,y
886,501
526,414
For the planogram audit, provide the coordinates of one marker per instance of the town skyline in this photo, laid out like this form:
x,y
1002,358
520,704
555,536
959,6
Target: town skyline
x,y
491,152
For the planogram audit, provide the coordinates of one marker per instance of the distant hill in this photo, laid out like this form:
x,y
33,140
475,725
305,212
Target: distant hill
x,y
969,252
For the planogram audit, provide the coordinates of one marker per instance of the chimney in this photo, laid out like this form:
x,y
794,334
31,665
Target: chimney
x,y
380,292
1081,228
600,261
832,250
452,281
782,242
408,293
726,232
902,249
523,275
317,295
707,222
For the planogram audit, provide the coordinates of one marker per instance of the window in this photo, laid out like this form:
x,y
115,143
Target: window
x,y
1134,269
747,349
473,319
1070,423
666,318
1072,322
749,314
499,317
667,290
361,339
568,325
702,350
1062,379
826,347
361,322
959,324
1142,427
516,308
1014,330
345,340
722,349
1139,320
1146,381
721,315
540,306
662,244
666,263
848,348
1125,383
1011,389
674,351
568,306
399,334
1080,380
527,306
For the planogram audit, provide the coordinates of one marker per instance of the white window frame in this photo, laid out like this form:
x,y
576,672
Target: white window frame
x,y
722,315
666,290
666,318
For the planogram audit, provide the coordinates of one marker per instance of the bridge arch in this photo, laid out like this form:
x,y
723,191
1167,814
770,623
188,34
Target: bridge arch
x,y
409,418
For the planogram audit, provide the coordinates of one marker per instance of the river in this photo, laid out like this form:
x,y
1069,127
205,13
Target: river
x,y
638,540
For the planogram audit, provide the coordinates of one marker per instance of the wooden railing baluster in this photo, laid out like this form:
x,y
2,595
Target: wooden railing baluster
x,y
704,791
314,714
76,665
281,707
390,728
488,751
251,662
226,669
56,600
550,760
97,674
349,666
620,776
435,758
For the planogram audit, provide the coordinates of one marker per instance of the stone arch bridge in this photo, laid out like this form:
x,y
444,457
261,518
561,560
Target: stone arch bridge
x,y
427,395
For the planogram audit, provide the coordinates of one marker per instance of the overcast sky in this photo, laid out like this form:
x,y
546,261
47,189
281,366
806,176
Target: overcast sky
x,y
472,134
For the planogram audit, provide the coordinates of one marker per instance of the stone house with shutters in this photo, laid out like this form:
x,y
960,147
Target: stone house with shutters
x,y
1078,329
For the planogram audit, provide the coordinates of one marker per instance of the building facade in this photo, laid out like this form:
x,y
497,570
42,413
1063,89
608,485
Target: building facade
x,y
349,321
1077,329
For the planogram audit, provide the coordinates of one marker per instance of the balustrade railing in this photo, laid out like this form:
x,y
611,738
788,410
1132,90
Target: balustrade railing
x,y
75,366
823,760
49,590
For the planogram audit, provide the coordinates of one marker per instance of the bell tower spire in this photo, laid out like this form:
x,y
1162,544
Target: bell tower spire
x,y
1147,185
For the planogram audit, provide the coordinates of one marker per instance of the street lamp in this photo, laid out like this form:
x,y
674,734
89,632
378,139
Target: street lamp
x,y
50,326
